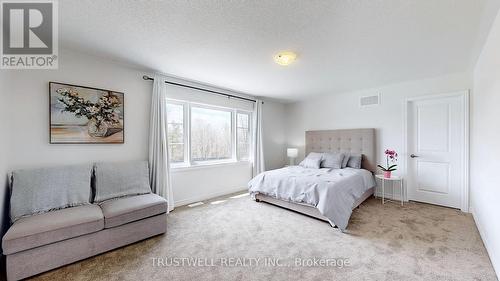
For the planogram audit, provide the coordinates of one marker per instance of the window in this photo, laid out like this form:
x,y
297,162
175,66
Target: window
x,y
210,134
175,120
243,135
203,134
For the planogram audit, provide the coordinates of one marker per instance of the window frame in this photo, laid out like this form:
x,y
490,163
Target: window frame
x,y
210,107
187,110
249,114
185,135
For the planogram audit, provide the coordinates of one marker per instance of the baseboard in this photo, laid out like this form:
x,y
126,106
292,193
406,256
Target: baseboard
x,y
207,196
485,242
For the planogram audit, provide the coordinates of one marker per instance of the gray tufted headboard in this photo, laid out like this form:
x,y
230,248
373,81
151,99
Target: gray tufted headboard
x,y
350,140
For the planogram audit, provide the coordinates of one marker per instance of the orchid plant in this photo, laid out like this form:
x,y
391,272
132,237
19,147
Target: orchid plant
x,y
391,157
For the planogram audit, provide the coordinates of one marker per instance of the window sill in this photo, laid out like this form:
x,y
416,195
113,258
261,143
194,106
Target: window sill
x,y
181,168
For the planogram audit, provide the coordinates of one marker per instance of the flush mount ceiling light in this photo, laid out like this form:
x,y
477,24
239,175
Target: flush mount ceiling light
x,y
285,58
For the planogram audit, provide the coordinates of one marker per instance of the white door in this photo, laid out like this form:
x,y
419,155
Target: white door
x,y
436,150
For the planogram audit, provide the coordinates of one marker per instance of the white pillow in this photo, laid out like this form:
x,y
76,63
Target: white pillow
x,y
313,160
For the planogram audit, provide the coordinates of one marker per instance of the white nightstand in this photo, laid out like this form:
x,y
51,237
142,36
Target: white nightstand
x,y
392,180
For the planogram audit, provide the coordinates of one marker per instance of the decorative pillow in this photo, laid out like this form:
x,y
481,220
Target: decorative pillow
x,y
347,155
37,191
355,161
332,160
114,180
313,160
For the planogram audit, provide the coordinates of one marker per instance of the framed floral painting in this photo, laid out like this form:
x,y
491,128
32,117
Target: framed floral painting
x,y
81,114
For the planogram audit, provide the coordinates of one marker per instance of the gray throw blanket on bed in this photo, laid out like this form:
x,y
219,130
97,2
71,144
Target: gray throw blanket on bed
x,y
332,191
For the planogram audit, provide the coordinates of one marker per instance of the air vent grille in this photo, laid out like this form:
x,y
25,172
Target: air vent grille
x,y
369,100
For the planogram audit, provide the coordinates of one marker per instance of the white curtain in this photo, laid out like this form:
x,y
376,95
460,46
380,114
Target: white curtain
x,y
159,164
257,150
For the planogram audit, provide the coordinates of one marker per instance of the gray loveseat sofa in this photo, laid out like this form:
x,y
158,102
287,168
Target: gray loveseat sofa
x,y
65,214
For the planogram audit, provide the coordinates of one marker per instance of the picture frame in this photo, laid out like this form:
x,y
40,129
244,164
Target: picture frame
x,y
85,115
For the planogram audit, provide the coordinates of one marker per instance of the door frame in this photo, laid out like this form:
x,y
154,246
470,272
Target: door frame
x,y
464,95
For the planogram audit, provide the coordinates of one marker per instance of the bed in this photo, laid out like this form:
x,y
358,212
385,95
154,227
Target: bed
x,y
326,194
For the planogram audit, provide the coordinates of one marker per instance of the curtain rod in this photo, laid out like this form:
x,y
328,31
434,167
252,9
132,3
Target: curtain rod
x,y
145,77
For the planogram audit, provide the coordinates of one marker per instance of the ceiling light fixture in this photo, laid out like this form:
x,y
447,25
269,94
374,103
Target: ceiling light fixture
x,y
285,58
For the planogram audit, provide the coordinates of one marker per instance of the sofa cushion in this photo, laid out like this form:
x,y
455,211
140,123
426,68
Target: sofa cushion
x,y
35,191
128,209
38,230
113,180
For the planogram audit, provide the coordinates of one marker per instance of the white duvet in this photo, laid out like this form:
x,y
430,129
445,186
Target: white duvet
x,y
332,191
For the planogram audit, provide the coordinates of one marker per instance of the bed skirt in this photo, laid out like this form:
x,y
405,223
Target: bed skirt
x,y
306,209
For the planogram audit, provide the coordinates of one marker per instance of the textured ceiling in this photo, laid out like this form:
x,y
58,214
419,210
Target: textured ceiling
x,y
341,44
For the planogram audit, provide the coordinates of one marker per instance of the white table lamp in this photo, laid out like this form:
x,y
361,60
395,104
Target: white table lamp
x,y
292,154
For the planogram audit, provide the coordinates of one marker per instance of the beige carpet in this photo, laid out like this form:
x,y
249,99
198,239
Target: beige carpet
x,y
385,242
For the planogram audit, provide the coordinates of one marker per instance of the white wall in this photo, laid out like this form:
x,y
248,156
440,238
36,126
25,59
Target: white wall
x,y
26,99
4,146
342,111
274,134
485,145
200,183
28,104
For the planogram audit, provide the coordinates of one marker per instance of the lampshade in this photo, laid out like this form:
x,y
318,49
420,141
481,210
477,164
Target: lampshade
x,y
292,152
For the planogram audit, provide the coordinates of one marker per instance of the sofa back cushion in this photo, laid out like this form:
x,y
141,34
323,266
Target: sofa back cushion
x,y
113,180
37,191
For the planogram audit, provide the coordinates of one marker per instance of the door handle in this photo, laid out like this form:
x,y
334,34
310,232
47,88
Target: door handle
x,y
413,156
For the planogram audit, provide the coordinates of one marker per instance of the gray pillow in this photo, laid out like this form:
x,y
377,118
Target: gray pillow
x,y
332,160
113,180
347,155
37,191
313,160
355,161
